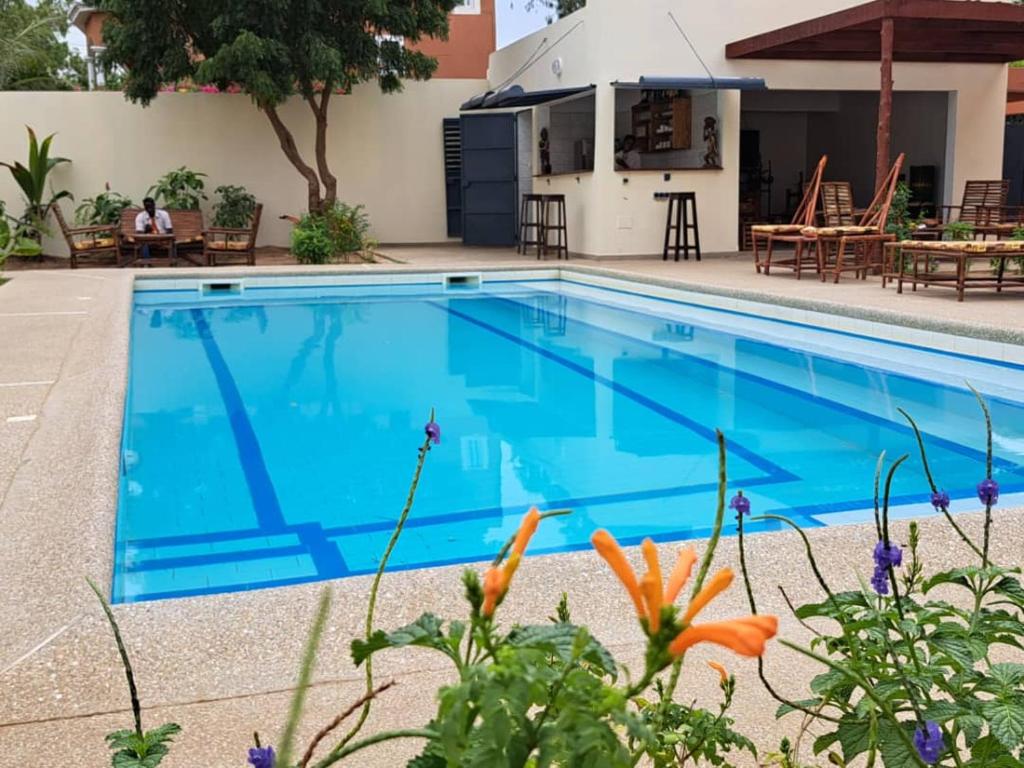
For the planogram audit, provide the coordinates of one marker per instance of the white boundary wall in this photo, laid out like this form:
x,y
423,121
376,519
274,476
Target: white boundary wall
x,y
386,150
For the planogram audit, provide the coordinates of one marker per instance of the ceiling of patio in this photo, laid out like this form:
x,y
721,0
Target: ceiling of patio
x,y
925,30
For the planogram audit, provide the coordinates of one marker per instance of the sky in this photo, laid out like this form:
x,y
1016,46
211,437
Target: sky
x,y
514,22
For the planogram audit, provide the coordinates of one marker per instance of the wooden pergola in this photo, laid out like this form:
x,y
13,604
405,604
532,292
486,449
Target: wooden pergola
x,y
896,30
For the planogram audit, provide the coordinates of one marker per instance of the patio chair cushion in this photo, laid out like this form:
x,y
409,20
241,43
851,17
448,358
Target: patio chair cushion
x,y
966,246
89,244
229,245
777,229
838,231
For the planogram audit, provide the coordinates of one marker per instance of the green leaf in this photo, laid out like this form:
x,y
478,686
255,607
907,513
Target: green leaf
x,y
1010,587
1009,676
971,726
895,751
425,632
785,709
1005,721
559,640
955,647
825,741
958,576
854,737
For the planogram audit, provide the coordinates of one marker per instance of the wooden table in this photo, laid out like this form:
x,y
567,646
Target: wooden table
x,y
165,242
926,260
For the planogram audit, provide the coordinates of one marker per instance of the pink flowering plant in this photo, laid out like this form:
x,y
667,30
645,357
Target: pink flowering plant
x,y
911,679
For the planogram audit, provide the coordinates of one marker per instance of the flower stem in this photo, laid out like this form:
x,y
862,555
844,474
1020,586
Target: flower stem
x,y
133,692
341,752
420,461
716,531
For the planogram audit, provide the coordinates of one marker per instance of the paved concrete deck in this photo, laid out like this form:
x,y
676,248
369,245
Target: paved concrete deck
x,y
222,666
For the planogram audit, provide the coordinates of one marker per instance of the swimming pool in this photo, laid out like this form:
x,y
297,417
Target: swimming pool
x,y
270,435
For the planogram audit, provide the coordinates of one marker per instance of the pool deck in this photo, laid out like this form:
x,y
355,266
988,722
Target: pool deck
x,y
223,665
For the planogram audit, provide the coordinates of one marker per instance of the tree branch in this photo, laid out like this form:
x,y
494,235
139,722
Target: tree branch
x,y
329,180
291,151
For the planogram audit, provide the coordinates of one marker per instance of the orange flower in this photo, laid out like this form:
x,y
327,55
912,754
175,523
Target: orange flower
x,y
608,548
723,674
745,636
497,580
718,584
646,593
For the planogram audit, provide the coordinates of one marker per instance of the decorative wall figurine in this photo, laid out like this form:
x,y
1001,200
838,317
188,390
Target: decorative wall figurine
x,y
544,147
712,159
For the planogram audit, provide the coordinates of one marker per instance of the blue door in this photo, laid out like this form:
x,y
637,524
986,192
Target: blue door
x,y
489,179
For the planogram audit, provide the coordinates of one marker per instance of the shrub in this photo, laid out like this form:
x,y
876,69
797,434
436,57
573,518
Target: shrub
x,y
31,179
16,238
340,231
235,207
908,678
105,208
311,241
181,189
349,227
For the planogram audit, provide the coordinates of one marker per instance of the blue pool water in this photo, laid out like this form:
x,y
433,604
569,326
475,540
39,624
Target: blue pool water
x,y
269,438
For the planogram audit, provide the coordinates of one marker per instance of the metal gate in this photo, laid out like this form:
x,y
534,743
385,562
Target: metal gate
x,y
489,179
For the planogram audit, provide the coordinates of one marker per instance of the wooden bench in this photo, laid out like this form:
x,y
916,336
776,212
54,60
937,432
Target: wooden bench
x,y
926,263
188,236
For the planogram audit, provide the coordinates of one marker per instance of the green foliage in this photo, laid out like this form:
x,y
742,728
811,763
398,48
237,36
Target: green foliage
x,y
181,189
105,208
16,239
272,51
235,207
134,748
311,240
559,8
322,238
34,55
894,661
958,230
900,223
32,179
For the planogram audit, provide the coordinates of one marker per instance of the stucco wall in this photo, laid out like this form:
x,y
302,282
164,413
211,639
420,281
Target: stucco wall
x,y
385,150
611,40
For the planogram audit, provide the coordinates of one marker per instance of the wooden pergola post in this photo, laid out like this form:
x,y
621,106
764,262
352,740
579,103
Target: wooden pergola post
x,y
884,138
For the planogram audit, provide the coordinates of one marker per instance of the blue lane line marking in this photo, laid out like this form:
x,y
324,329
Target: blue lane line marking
x,y
261,488
835,405
457,517
851,334
481,557
212,558
779,473
818,510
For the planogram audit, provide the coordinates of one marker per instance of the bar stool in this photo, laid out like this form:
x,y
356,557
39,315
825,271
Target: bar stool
x,y
682,219
556,224
531,224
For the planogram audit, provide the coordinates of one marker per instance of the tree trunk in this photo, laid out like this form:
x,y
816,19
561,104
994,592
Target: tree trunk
x,y
291,151
330,182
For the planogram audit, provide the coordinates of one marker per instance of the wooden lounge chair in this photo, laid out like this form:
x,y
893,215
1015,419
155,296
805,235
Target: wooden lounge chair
x,y
926,263
864,240
92,242
837,204
222,242
982,206
792,232
188,235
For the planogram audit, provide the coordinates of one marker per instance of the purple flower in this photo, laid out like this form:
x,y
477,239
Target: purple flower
x,y
433,430
988,492
880,581
929,743
890,556
740,503
940,500
261,757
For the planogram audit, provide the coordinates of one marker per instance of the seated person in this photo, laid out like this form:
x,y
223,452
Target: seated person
x,y
152,221
628,157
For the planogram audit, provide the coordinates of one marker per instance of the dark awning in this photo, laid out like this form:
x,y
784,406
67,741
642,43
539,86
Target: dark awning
x,y
515,96
688,83
924,30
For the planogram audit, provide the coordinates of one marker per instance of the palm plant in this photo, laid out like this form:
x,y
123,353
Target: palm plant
x,y
24,51
32,181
